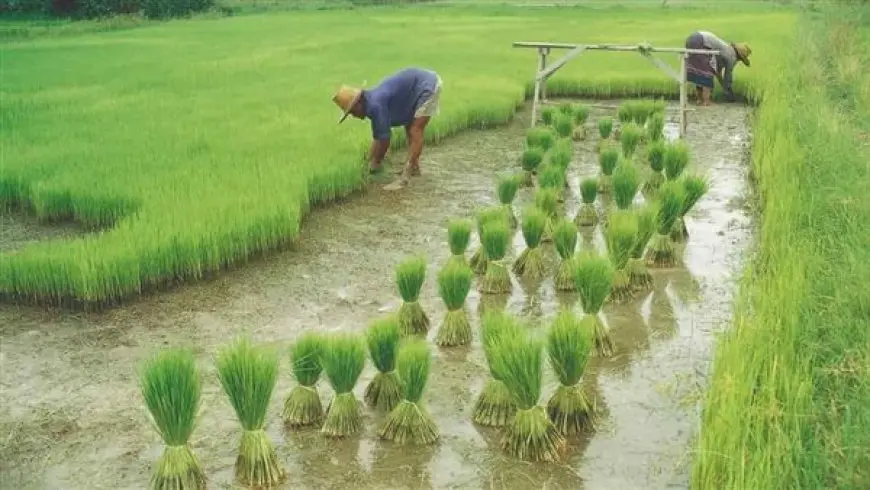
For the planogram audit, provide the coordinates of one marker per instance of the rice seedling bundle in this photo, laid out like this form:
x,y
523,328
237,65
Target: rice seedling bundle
x,y
620,236
581,115
458,237
607,161
548,115
454,283
410,275
670,202
409,422
541,137
638,274
593,276
547,200
530,263
564,125
625,182
302,406
171,387
562,153
530,435
676,159
587,215
694,186
248,375
655,127
655,156
569,346
565,239
566,109
495,406
630,138
478,258
382,339
344,358
605,127
496,239
532,158
507,191
625,113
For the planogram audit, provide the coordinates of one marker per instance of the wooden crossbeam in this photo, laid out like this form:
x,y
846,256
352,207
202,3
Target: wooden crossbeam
x,y
575,52
662,66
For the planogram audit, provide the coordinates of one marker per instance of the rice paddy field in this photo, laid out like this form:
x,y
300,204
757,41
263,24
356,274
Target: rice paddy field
x,y
138,162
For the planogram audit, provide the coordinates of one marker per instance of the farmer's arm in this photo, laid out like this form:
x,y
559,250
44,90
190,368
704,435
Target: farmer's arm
x,y
726,82
380,137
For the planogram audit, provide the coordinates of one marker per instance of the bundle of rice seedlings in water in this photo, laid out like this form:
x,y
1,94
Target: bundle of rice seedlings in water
x,y
532,158
587,215
344,358
564,125
552,177
581,115
607,161
540,137
496,239
302,406
495,406
507,191
171,387
562,153
620,235
478,258
625,181
593,276
409,422
625,113
605,127
565,239
676,159
454,283
629,139
410,274
566,108
569,346
458,236
530,263
638,275
694,187
655,127
655,156
548,115
248,375
530,435
547,200
670,202
382,338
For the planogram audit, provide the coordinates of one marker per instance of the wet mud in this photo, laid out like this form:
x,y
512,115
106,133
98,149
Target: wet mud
x,y
71,415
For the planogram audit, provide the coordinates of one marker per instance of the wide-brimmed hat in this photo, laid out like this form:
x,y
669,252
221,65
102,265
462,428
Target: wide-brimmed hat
x,y
743,51
345,98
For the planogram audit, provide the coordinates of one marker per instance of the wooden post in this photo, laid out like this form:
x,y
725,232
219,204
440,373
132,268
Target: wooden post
x,y
541,66
683,95
537,95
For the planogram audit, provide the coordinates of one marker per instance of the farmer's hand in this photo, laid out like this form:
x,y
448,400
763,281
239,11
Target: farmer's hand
x,y
730,97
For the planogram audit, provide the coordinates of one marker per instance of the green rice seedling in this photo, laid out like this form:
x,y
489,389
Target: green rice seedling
x,y
507,192
607,161
629,138
458,237
541,137
661,248
302,406
694,187
530,263
655,127
655,156
495,406
676,159
567,109
587,215
382,339
248,375
625,182
410,422
454,283
171,387
569,346
593,276
565,239
562,153
496,239
547,200
532,158
638,275
625,113
581,115
552,177
564,125
548,115
620,236
344,357
605,127
478,258
530,435
410,275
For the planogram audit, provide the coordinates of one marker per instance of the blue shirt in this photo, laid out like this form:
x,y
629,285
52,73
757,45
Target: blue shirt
x,y
394,101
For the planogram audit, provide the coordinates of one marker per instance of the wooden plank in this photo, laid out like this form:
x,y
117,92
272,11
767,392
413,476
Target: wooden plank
x,y
611,47
546,73
662,66
543,52
537,94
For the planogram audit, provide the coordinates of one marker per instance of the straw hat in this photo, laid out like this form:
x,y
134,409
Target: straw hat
x,y
743,51
345,98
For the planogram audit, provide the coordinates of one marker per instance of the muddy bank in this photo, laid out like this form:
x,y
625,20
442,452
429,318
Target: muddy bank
x,y
71,415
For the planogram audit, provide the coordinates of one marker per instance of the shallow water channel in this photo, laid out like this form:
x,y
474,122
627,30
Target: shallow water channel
x,y
71,415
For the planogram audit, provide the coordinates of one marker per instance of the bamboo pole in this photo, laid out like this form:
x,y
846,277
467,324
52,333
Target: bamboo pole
x,y
537,96
543,64
683,95
612,47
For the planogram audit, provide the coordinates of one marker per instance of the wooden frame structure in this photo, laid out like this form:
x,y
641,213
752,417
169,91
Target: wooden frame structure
x,y
545,71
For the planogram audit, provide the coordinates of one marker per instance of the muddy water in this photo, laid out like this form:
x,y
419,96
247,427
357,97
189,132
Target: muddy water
x,y
71,415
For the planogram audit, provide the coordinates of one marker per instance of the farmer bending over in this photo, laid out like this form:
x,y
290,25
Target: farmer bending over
x,y
701,68
407,98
